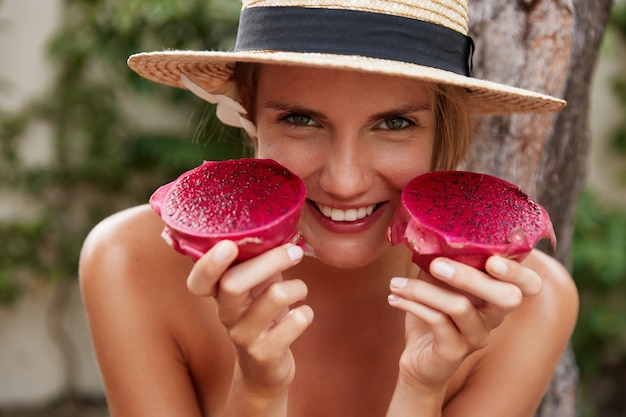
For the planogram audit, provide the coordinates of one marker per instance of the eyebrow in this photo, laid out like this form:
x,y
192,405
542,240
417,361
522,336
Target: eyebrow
x,y
292,108
297,108
406,109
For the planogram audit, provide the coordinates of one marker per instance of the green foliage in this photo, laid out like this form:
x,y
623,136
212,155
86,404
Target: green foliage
x,y
102,159
599,268
618,20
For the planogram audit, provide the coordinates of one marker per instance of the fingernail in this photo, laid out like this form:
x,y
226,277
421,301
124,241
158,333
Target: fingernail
x,y
392,298
295,253
222,252
398,282
499,267
442,269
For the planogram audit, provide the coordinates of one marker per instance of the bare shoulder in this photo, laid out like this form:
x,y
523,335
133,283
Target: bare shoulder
x,y
524,350
558,291
128,231
135,295
552,313
125,258
126,265
130,240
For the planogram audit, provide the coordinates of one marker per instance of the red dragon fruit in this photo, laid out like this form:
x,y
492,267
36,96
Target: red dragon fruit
x,y
468,217
253,202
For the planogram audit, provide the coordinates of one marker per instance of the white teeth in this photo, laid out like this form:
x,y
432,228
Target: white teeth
x,y
349,215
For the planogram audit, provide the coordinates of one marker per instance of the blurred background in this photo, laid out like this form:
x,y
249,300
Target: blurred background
x,y
81,137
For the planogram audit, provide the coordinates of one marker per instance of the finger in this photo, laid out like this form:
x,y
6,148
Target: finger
x,y
270,350
289,328
448,344
450,313
268,310
235,288
504,296
528,281
240,279
209,268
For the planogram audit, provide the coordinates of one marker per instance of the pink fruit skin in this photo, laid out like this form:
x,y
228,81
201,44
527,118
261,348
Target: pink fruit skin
x,y
252,241
429,240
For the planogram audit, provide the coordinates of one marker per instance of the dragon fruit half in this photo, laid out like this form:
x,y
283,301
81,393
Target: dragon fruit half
x,y
468,217
253,202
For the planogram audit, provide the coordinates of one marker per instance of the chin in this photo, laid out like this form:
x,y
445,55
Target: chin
x,y
350,256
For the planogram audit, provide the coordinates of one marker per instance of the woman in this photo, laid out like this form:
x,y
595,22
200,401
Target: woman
x,y
343,102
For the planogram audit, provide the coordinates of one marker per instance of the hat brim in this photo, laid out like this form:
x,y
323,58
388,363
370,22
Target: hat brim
x,y
212,70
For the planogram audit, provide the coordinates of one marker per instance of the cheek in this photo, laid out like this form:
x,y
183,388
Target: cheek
x,y
296,157
403,165
300,154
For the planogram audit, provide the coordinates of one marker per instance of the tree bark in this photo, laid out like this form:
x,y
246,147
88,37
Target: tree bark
x,y
549,46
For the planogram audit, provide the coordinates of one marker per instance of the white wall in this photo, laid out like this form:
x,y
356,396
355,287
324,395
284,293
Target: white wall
x,y
31,365
32,368
24,28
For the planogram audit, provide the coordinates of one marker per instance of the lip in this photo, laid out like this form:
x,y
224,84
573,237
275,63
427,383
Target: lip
x,y
346,227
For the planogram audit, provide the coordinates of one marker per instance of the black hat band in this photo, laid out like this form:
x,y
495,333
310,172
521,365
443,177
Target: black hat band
x,y
354,32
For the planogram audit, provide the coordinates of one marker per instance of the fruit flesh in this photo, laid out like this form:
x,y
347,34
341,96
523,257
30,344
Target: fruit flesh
x,y
254,202
467,217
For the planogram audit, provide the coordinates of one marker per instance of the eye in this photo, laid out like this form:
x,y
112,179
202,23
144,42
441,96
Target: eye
x,y
298,119
395,123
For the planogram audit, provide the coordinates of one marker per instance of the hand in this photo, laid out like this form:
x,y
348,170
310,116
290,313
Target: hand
x,y
254,305
451,312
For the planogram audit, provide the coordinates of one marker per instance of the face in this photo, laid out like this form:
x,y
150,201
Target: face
x,y
356,140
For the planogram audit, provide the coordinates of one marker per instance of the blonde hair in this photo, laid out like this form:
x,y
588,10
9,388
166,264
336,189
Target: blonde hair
x,y
453,127
453,122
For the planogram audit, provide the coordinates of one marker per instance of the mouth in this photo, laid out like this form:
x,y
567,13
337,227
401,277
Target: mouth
x,y
345,215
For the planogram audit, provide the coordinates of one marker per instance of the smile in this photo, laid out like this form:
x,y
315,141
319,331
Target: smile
x,y
348,215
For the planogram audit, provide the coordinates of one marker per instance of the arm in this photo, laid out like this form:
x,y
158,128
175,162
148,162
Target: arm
x,y
162,349
130,318
496,340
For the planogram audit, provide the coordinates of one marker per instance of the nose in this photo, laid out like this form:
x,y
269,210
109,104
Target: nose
x,y
348,170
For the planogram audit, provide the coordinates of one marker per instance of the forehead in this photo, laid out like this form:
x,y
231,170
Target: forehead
x,y
309,82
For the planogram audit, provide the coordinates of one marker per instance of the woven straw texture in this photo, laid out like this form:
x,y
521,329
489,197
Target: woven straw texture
x,y
212,69
449,13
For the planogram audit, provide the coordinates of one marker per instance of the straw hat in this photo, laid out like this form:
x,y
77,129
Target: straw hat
x,y
416,39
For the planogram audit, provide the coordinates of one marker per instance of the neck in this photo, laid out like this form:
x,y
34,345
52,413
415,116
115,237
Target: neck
x,y
336,286
352,316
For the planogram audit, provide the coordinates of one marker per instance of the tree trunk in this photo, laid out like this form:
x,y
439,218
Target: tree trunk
x,y
549,46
